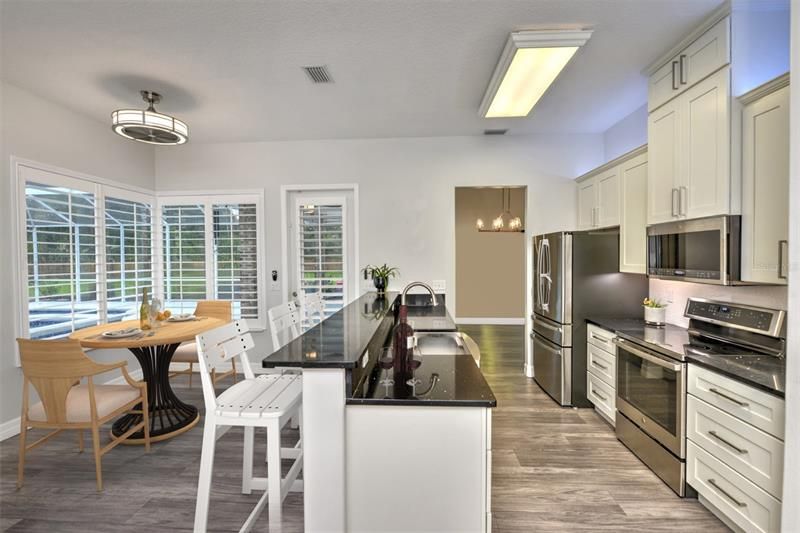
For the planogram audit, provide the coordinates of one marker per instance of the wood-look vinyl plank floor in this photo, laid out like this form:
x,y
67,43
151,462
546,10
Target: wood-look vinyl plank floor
x,y
554,469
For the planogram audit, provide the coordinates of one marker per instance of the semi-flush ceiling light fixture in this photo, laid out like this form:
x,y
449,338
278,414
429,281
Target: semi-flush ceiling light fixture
x,y
530,62
505,221
149,126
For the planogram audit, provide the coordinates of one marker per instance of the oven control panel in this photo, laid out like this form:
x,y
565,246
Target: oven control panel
x,y
761,320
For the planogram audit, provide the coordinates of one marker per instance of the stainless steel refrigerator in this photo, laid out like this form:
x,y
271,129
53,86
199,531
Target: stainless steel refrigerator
x,y
575,275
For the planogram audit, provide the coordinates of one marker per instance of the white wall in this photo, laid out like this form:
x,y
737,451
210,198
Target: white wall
x,y
627,134
406,188
791,481
40,130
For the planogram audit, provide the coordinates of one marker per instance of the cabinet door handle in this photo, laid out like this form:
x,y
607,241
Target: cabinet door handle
x,y
603,398
674,77
597,337
727,443
684,199
729,398
675,200
598,365
682,69
781,275
725,493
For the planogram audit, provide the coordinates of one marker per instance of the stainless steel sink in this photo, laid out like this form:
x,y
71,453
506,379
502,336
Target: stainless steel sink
x,y
446,343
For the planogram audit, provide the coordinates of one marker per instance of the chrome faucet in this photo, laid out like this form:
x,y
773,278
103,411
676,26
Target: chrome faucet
x,y
418,284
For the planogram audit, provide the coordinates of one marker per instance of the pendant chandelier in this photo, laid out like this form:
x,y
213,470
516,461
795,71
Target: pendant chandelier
x,y
148,125
505,221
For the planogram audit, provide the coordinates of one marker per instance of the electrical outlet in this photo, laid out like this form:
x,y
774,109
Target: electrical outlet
x,y
439,285
275,286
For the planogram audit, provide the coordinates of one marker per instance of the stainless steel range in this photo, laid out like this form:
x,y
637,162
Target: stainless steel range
x,y
651,375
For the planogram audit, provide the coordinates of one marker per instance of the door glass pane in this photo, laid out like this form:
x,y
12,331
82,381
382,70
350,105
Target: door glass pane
x,y
650,388
236,257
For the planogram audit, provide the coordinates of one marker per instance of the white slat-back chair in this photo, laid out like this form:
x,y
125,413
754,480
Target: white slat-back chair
x,y
268,401
312,308
284,322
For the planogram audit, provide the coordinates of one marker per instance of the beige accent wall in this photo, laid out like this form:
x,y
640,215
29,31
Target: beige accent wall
x,y
490,267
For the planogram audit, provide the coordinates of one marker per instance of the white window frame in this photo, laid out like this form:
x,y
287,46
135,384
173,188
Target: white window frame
x,y
322,189
60,177
208,199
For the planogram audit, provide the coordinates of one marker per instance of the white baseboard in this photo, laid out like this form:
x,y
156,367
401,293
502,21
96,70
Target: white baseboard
x,y
10,428
492,321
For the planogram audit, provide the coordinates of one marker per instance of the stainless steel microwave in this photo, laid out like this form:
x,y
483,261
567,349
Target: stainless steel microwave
x,y
704,250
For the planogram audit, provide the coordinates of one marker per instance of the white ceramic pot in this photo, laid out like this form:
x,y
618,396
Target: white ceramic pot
x,y
655,315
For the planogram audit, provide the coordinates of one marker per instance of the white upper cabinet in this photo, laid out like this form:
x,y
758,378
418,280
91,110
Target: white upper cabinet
x,y
633,215
587,204
765,183
703,56
598,200
689,147
663,138
608,198
704,179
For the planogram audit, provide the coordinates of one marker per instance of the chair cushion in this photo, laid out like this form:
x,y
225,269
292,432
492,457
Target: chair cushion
x,y
109,398
186,353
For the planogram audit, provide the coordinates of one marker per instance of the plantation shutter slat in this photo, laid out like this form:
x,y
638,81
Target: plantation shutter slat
x,y
129,256
236,257
62,276
184,257
320,250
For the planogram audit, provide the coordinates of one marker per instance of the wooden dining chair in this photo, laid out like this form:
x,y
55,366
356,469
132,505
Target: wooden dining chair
x,y
55,368
187,352
267,401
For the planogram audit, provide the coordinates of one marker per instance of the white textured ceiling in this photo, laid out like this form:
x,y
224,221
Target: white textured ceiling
x,y
401,67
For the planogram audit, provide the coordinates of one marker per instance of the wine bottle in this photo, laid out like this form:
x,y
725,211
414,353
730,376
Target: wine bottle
x,y
144,312
403,345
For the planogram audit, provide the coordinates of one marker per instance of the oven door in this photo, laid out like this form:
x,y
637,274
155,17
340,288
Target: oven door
x,y
651,391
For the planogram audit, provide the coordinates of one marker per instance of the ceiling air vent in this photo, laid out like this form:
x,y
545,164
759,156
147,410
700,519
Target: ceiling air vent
x,y
318,74
495,132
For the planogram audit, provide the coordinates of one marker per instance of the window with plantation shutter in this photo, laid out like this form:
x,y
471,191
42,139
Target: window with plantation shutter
x,y
321,250
62,271
129,256
212,250
236,257
184,258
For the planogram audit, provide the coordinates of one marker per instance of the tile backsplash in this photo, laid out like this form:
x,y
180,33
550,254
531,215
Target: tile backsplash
x,y
678,292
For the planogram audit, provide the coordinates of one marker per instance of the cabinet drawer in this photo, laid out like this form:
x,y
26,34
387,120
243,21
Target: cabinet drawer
x,y
741,501
600,337
602,364
602,395
749,451
757,408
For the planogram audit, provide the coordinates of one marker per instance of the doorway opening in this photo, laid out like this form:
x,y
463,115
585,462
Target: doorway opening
x,y
490,265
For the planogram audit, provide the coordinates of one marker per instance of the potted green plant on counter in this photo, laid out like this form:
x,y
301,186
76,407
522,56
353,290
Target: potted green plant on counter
x,y
655,311
380,276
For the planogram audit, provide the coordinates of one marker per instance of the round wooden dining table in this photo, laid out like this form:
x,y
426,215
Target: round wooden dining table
x,y
169,416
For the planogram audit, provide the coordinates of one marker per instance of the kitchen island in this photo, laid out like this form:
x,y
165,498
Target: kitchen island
x,y
372,439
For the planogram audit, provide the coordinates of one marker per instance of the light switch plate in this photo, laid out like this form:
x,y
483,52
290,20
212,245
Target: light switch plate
x,y
439,285
274,285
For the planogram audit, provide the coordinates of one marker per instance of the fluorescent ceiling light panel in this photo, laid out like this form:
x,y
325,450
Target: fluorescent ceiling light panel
x,y
530,62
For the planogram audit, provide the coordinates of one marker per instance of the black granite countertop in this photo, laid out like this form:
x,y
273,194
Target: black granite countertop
x,y
451,380
340,340
764,372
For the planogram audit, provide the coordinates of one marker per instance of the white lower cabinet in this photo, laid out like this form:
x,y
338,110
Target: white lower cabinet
x,y
734,454
601,371
741,501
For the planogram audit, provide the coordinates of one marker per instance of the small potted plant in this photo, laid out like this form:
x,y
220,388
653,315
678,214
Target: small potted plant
x,y
655,311
380,276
